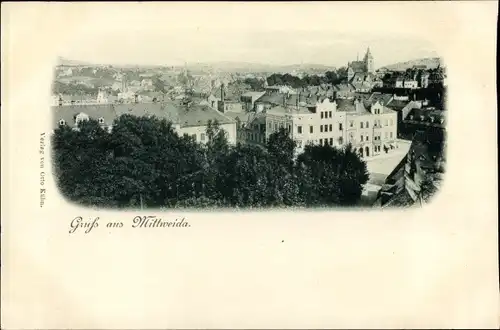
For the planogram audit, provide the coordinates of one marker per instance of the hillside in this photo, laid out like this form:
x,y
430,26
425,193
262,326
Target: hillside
x,y
61,61
431,63
256,67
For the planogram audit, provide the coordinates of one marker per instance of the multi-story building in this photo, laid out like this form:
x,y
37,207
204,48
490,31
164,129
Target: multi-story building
x,y
369,126
191,120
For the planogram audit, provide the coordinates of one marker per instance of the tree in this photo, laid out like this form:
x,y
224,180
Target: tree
x,y
216,149
331,77
159,85
331,176
281,147
342,73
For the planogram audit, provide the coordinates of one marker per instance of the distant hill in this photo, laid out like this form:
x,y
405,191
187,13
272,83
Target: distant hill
x,y
256,67
225,66
61,61
431,63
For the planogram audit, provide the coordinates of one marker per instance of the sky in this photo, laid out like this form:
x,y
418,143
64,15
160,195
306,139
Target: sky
x,y
270,33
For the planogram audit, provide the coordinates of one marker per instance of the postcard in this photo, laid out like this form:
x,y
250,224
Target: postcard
x,y
228,165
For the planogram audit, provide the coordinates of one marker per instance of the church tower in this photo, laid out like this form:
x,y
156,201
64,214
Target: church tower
x,y
370,68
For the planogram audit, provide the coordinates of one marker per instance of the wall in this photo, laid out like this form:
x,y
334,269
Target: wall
x,y
199,130
386,131
315,121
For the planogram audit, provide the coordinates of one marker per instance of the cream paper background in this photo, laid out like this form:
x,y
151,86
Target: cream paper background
x,y
430,267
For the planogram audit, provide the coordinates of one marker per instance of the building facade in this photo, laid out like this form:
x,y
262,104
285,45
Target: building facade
x,y
371,128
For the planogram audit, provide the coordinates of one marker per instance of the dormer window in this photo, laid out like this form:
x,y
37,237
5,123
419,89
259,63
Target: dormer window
x,y
62,122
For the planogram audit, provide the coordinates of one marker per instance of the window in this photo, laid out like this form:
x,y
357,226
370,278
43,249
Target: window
x,y
340,126
390,134
320,142
361,124
330,114
299,129
331,127
321,114
290,128
202,137
331,141
361,138
321,128
62,122
311,129
275,127
270,125
351,123
386,135
341,140
194,136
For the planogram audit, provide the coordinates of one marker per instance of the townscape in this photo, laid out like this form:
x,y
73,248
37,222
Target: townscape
x,y
250,136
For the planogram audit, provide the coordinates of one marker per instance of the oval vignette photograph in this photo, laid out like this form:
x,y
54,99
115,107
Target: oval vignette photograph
x,y
316,120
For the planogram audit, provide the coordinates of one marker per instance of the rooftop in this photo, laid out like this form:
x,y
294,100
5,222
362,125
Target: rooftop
x,y
195,115
430,116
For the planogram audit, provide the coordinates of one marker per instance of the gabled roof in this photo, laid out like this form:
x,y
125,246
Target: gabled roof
x,y
397,104
69,113
357,66
383,98
195,115
253,94
344,88
430,117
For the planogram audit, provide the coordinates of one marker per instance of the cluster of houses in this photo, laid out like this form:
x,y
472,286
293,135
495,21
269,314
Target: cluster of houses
x,y
314,115
415,78
326,114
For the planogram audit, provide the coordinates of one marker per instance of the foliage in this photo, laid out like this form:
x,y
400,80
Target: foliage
x,y
158,84
330,77
143,162
332,176
255,84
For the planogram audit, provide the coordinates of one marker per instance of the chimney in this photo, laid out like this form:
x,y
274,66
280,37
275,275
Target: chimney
x,y
222,96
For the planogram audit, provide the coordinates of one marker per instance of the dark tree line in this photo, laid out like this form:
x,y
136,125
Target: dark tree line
x,y
73,89
330,77
143,161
